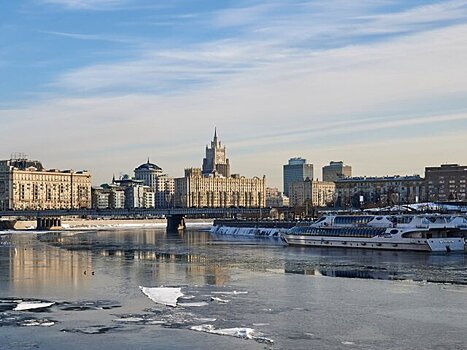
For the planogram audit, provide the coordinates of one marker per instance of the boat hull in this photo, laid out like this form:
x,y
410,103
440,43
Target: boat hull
x,y
431,245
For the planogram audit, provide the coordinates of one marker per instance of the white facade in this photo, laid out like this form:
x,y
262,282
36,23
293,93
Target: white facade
x,y
139,197
160,184
117,198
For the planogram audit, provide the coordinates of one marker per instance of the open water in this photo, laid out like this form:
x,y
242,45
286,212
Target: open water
x,y
277,297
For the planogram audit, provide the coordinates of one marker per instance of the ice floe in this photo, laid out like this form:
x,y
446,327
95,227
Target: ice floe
x,y
20,319
130,319
144,319
238,332
97,329
348,343
36,322
32,305
231,293
88,305
194,304
219,300
163,295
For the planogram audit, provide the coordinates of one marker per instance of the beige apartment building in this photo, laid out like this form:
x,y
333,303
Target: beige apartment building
x,y
27,185
198,191
313,193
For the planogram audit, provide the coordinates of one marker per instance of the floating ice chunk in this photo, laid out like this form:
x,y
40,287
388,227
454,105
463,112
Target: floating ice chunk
x,y
163,295
219,300
194,304
238,332
98,329
88,305
205,319
32,305
231,293
155,322
130,319
34,322
187,297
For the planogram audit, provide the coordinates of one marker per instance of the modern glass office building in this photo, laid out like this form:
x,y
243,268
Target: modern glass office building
x,y
296,170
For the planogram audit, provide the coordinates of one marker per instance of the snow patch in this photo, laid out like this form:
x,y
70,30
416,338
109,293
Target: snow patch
x,y
246,231
238,332
163,295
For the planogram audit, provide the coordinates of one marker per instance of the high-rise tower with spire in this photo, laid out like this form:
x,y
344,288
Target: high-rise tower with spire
x,y
216,161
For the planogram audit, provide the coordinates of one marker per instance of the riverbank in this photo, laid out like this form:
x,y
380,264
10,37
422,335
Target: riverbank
x,y
110,223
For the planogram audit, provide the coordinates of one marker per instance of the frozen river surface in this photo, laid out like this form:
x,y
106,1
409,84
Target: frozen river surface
x,y
81,290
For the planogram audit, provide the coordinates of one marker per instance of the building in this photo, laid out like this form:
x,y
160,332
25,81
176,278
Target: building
x,y
336,170
214,187
165,191
26,185
116,198
311,193
216,160
137,195
149,173
162,185
379,191
296,170
100,198
197,191
446,182
322,193
275,199
299,193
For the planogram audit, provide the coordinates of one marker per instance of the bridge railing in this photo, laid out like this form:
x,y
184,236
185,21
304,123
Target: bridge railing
x,y
136,212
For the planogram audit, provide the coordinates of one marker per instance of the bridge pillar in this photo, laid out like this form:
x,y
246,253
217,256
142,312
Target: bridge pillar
x,y
48,223
175,223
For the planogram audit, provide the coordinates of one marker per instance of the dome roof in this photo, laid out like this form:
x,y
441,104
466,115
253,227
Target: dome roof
x,y
148,166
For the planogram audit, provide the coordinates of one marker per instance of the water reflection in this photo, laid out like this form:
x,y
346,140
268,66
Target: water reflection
x,y
372,264
170,254
66,260
31,266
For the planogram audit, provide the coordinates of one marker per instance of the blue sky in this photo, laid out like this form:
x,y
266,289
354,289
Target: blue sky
x,y
103,84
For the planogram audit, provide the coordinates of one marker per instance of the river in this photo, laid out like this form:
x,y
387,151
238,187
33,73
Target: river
x,y
257,292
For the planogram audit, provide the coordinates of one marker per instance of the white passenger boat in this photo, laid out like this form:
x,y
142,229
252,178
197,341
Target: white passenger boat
x,y
436,233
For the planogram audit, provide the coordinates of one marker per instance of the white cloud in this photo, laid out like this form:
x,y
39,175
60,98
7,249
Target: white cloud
x,y
86,4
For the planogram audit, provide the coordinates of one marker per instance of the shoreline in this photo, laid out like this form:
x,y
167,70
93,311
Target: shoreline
x,y
110,223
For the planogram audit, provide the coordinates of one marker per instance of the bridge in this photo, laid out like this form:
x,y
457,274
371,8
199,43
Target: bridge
x,y
175,216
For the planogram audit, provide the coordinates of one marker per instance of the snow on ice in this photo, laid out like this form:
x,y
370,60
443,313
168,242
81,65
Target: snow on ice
x,y
163,295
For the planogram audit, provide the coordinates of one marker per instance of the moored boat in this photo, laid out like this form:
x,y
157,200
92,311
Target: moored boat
x,y
435,233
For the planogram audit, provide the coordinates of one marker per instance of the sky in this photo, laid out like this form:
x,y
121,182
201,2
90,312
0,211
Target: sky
x,y
104,84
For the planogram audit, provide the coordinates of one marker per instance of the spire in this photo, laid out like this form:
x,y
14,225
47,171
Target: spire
x,y
148,160
215,134
113,179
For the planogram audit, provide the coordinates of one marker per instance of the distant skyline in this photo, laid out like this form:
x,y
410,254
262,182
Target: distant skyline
x,y
103,84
